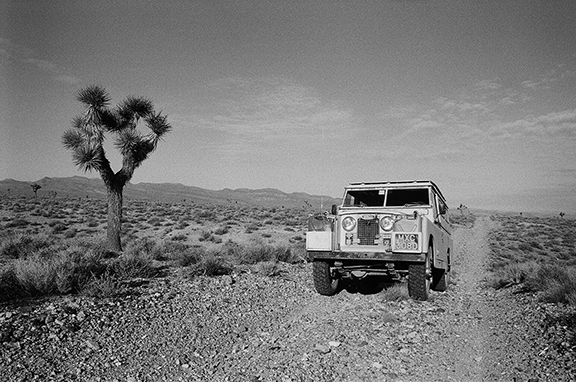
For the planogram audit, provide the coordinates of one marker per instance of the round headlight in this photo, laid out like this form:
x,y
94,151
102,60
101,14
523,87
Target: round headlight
x,y
387,222
348,223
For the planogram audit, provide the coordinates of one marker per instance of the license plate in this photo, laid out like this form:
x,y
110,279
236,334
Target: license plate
x,y
406,242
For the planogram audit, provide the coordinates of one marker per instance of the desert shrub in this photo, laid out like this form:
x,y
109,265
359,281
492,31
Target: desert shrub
x,y
257,251
58,228
91,222
222,230
34,275
70,233
17,223
155,221
511,273
65,271
205,214
557,284
182,224
75,266
9,288
179,237
397,292
298,254
13,246
461,217
211,264
289,255
133,264
106,285
205,235
183,254
526,247
145,247
269,268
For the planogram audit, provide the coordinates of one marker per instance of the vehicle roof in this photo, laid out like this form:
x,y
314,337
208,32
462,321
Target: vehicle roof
x,y
396,184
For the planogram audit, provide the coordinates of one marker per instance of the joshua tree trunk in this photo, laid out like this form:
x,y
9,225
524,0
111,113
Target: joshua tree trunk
x,y
114,217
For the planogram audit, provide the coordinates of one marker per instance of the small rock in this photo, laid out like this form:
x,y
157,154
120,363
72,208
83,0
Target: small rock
x,y
334,344
377,365
228,280
81,316
92,344
322,349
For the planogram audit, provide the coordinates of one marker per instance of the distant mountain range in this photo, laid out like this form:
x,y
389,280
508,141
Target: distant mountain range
x,y
82,187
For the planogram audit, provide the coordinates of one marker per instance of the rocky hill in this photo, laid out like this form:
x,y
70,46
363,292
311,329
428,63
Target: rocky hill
x,y
82,187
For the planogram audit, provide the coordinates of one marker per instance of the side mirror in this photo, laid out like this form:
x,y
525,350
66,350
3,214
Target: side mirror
x,y
334,210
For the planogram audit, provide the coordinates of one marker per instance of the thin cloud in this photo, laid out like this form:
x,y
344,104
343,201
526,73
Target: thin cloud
x,y
488,85
561,72
261,106
22,55
549,126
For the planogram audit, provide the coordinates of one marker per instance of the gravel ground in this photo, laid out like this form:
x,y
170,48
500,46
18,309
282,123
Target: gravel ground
x,y
249,327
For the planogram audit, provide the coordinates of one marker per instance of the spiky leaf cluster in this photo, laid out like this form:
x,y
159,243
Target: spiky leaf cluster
x,y
86,137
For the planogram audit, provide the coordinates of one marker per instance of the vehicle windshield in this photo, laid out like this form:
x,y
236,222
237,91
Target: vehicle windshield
x,y
396,197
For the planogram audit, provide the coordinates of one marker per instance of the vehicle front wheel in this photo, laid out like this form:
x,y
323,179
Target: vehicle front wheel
x,y
324,282
442,278
419,278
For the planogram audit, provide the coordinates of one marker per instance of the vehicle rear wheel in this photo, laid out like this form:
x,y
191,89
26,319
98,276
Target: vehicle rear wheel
x,y
419,278
442,278
324,282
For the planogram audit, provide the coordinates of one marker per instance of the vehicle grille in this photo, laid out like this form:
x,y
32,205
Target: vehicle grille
x,y
367,231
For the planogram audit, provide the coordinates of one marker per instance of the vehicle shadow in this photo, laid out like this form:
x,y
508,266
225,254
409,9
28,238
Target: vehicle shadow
x,y
368,285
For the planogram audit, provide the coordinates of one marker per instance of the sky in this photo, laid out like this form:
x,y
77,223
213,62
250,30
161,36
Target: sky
x,y
308,96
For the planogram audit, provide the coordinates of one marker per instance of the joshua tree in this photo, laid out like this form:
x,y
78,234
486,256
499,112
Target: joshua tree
x,y
86,139
35,188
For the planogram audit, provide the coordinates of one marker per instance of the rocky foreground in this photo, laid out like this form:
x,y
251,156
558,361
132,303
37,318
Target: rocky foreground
x,y
250,327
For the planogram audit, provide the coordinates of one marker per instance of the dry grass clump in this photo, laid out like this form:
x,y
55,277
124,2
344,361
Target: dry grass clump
x,y
212,264
397,292
258,251
36,266
537,253
47,245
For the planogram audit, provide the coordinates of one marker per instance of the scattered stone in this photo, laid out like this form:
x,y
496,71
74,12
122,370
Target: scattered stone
x,y
80,316
92,344
322,349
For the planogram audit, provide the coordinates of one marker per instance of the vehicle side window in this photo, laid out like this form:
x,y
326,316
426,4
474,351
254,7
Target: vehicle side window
x,y
442,208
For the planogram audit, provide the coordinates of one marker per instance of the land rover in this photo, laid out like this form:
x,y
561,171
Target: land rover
x,y
399,230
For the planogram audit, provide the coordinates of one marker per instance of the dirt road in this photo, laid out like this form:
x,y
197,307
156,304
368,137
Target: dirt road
x,y
251,327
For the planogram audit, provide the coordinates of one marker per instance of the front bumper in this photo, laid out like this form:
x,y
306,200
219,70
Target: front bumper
x,y
376,256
